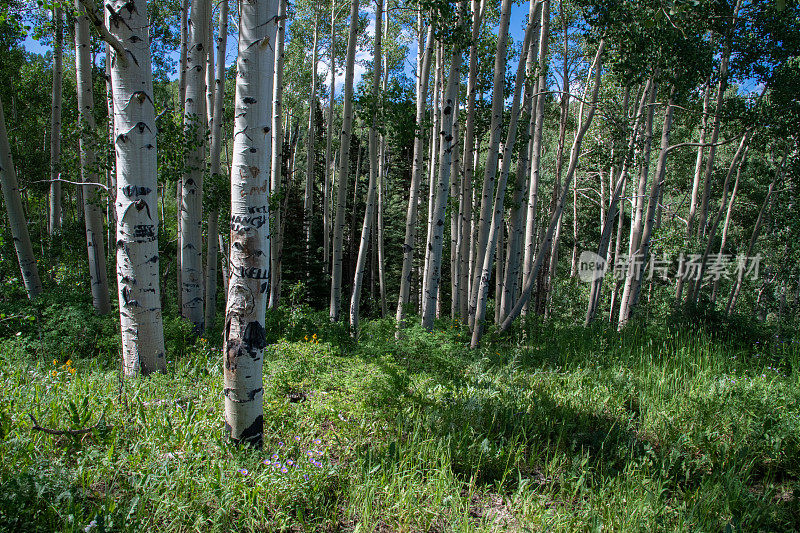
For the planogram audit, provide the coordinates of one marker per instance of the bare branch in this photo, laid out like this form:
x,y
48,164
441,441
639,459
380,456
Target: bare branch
x,y
82,431
115,43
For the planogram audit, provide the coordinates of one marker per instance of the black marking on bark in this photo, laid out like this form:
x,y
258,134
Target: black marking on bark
x,y
249,100
253,435
255,336
253,150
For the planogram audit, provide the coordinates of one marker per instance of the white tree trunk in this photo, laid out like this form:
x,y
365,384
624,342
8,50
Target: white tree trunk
x,y
369,213
329,164
194,123
93,214
244,334
136,198
276,168
16,216
212,254
416,174
344,163
54,220
308,199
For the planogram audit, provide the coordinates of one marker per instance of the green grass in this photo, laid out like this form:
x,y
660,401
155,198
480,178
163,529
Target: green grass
x,y
553,428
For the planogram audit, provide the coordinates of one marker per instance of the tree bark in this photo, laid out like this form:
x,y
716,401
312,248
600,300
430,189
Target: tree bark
x,y
195,124
136,197
93,215
369,213
344,160
276,255
244,335
54,219
16,216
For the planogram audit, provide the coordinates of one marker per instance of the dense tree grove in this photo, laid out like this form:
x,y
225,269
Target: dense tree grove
x,y
486,162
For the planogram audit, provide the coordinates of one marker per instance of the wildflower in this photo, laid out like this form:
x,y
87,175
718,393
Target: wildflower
x,y
297,438
274,456
289,462
314,336
243,471
310,453
280,444
72,370
55,373
306,338
284,470
69,362
55,362
265,462
317,442
320,452
305,476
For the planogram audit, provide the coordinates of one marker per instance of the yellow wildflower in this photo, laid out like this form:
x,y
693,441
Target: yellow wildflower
x,y
55,373
72,370
55,362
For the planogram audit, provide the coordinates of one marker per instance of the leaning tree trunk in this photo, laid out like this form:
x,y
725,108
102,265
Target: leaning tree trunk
x,y
573,163
244,334
496,230
137,201
737,287
369,213
54,220
727,223
490,170
92,212
16,216
276,250
416,173
344,160
212,254
194,123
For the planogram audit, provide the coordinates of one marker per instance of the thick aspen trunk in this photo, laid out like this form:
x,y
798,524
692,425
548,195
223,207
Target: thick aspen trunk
x,y
136,197
369,213
244,335
413,193
276,167
212,254
195,124
344,160
16,216
93,215
54,218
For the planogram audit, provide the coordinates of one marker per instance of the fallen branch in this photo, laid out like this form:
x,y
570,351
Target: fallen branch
x,y
82,431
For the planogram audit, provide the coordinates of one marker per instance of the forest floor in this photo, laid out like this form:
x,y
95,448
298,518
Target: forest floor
x,y
553,428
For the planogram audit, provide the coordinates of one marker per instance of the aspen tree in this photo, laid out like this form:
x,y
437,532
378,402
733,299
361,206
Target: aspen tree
x,y
214,156
244,334
344,160
136,195
194,123
16,216
369,214
54,219
93,216
276,250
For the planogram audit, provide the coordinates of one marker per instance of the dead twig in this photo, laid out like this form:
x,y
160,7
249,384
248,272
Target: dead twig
x,y
82,431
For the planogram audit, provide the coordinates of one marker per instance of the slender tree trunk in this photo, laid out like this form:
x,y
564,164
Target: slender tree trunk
x,y
537,117
183,59
244,334
737,286
727,222
329,165
194,123
490,171
212,255
16,216
698,165
308,199
496,233
416,172
573,163
111,173
369,213
344,159
447,144
93,216
382,166
635,275
179,185
277,161
722,84
54,220
137,202
432,161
